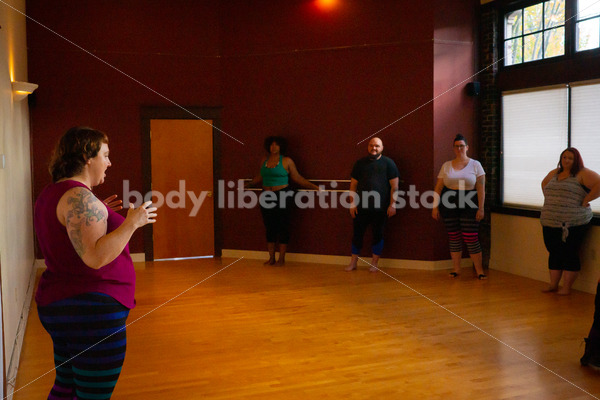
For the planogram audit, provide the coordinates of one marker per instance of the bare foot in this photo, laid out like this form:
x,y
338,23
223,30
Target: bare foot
x,y
281,262
270,261
373,269
350,267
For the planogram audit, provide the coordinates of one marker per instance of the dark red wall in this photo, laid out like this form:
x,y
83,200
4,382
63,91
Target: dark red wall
x,y
454,109
357,74
170,47
325,80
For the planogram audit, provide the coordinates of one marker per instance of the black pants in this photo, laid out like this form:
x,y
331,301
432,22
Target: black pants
x,y
595,332
564,255
365,217
277,218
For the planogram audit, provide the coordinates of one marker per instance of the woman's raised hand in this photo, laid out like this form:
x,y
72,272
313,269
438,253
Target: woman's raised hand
x,y
142,215
112,203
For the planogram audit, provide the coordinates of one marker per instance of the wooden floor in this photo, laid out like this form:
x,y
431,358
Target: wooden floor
x,y
308,331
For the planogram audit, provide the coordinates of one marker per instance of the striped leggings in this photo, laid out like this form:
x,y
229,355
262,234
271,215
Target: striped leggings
x,y
461,230
462,226
88,333
459,219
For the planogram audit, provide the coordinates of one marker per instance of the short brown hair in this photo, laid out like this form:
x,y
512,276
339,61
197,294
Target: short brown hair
x,y
72,151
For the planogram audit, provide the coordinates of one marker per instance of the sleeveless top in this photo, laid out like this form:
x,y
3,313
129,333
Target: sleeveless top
x,y
562,205
66,274
276,176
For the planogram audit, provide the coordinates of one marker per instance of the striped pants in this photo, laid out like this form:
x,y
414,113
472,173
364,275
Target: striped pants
x,y
463,229
459,219
88,333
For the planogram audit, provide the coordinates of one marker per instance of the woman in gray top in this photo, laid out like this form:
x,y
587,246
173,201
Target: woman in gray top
x,y
565,216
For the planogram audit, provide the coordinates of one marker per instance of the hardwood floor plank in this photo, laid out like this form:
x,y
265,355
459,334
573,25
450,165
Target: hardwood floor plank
x,y
308,331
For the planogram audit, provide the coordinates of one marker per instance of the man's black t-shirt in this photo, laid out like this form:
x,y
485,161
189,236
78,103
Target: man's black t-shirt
x,y
374,176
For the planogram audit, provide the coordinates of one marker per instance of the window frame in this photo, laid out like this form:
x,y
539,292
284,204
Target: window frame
x,y
570,27
577,21
523,35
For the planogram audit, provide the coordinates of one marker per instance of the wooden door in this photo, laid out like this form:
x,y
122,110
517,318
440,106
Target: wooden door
x,y
182,176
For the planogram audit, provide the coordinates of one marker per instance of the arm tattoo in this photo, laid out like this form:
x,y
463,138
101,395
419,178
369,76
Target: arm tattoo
x,y
83,209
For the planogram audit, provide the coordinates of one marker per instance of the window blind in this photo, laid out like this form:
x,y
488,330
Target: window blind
x,y
585,127
534,134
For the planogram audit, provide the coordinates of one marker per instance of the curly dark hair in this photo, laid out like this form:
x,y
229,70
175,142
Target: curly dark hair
x,y
281,142
72,151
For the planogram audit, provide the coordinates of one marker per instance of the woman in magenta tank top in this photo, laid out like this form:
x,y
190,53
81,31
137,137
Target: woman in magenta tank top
x,y
87,289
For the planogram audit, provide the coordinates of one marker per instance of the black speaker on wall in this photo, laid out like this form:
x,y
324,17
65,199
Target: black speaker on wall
x,y
473,88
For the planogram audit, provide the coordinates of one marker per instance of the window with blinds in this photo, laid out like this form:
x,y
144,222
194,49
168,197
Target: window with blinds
x,y
537,126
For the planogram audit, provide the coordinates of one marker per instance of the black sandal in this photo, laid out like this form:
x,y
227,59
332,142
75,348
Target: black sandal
x,y
454,275
482,277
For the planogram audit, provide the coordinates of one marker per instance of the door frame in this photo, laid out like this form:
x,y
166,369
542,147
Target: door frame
x,y
158,112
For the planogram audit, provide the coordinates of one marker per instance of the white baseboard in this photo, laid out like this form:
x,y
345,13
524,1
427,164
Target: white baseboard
x,y
138,257
343,260
15,357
